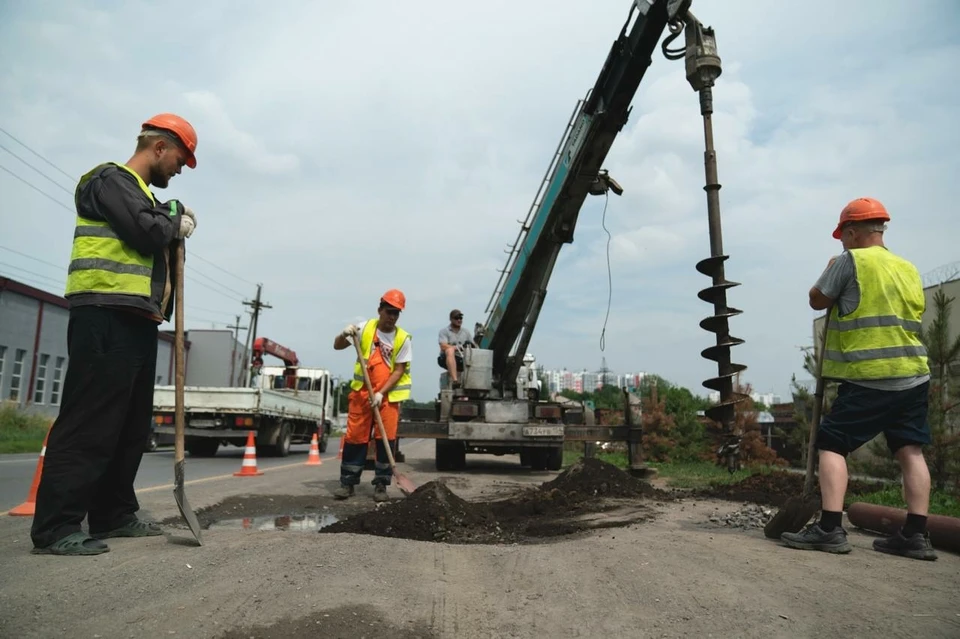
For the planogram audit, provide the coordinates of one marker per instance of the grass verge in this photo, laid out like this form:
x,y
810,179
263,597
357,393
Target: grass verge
x,y
940,503
21,432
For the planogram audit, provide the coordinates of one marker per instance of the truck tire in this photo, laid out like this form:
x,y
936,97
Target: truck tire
x,y
450,455
152,443
323,437
201,446
284,439
554,458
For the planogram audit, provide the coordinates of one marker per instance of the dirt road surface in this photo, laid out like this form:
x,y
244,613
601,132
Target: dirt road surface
x,y
662,569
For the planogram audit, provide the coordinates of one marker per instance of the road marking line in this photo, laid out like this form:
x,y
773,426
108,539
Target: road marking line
x,y
213,478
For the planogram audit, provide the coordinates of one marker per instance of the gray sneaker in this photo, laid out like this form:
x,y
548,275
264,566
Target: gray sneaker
x,y
380,493
813,537
343,492
916,546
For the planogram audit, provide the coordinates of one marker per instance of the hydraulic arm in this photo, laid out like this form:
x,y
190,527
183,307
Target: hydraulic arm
x,y
574,172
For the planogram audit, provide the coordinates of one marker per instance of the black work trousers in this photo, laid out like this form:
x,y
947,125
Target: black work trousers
x,y
97,441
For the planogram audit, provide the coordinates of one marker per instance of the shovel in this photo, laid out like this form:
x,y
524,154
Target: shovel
x,y
797,511
403,483
179,418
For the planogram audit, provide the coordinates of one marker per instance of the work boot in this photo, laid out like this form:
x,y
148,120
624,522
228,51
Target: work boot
x,y
916,546
380,493
132,528
343,492
813,537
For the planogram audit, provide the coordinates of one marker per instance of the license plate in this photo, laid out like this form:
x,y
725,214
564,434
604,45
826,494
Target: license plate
x,y
543,431
203,423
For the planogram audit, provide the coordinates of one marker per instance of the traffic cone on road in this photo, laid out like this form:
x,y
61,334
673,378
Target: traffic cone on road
x,y
314,458
29,507
249,466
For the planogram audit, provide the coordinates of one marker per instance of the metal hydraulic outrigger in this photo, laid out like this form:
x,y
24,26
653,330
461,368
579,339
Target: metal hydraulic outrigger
x,y
703,68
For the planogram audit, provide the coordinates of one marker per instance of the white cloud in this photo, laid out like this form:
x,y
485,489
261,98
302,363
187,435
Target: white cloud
x,y
349,149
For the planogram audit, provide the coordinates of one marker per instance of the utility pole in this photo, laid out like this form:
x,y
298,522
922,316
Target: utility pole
x,y
233,355
256,305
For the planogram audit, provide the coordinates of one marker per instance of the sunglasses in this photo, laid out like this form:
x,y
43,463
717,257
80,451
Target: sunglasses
x,y
457,317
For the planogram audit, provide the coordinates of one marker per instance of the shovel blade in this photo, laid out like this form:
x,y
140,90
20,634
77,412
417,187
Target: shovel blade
x,y
184,505
792,516
404,483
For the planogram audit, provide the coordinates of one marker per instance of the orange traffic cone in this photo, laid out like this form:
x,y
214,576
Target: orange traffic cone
x,y
314,458
29,507
249,466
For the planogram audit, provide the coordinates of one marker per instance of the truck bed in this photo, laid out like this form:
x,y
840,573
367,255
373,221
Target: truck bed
x,y
245,401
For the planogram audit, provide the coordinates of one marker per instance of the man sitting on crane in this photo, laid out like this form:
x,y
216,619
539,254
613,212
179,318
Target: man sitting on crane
x,y
452,338
388,366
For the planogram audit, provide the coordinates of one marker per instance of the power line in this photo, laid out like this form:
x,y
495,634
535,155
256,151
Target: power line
x,y
30,257
42,174
68,176
73,180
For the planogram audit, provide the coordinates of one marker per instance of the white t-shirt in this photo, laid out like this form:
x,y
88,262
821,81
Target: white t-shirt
x,y
386,347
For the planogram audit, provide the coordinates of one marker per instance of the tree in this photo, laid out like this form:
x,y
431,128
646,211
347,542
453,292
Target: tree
x,y
943,352
658,428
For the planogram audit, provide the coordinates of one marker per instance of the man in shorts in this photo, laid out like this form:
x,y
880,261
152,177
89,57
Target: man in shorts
x,y
876,303
452,338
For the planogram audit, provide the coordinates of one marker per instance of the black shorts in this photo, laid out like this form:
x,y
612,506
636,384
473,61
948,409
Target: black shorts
x,y
859,414
442,361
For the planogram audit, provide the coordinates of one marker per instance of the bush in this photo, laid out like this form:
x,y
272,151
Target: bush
x,y
21,431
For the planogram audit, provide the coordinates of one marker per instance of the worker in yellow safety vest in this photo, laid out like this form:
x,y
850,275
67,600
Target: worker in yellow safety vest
x,y
873,348
119,285
388,351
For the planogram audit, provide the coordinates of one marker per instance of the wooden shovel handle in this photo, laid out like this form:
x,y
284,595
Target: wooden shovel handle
x,y
178,354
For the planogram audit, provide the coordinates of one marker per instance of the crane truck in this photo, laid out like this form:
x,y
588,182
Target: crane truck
x,y
499,408
283,405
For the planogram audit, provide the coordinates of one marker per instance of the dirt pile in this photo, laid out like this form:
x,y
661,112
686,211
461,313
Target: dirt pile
x,y
430,513
774,489
588,495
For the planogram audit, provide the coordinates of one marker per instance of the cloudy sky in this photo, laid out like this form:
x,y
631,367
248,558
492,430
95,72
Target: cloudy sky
x,y
348,148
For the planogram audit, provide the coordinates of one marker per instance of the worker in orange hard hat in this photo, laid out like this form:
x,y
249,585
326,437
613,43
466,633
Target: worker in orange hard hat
x,y
388,366
119,285
873,348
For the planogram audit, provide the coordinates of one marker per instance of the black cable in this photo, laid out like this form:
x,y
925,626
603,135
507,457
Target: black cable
x,y
603,223
42,174
68,176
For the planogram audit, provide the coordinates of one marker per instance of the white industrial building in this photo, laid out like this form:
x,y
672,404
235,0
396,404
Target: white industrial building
x,y
33,350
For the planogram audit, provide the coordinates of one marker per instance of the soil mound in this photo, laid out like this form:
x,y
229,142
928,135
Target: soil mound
x,y
574,501
774,488
430,513
591,477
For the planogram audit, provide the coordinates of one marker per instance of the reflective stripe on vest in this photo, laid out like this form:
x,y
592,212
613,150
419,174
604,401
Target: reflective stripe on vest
x,y
101,262
879,339
400,392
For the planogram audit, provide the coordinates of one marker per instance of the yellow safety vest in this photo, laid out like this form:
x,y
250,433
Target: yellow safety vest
x,y
400,392
879,340
101,262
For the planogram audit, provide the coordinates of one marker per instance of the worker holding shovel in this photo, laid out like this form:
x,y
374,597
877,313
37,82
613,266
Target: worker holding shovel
x,y
120,286
388,371
873,348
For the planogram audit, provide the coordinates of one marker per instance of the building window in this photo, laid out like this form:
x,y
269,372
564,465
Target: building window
x,y
3,356
17,374
55,385
41,380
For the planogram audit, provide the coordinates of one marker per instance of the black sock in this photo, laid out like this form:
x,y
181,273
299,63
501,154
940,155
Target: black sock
x,y
830,519
915,524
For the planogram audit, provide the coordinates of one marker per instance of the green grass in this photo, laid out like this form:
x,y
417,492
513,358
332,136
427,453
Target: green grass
x,y
21,432
940,503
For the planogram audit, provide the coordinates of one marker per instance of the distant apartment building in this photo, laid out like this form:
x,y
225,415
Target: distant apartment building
x,y
767,399
589,381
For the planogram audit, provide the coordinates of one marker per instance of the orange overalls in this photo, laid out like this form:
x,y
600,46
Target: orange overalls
x,y
360,423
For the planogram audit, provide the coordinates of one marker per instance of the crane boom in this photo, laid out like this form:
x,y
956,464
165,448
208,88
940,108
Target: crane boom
x,y
574,173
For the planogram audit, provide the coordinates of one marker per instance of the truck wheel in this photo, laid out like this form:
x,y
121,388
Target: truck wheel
x,y
201,446
554,458
284,439
458,456
526,457
324,437
442,459
151,443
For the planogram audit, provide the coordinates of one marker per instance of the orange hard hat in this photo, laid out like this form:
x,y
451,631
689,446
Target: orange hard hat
x,y
179,127
394,298
859,210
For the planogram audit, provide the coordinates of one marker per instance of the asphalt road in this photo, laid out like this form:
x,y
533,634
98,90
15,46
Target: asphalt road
x,y
156,469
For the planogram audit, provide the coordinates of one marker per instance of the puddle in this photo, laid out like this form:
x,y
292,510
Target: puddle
x,y
292,523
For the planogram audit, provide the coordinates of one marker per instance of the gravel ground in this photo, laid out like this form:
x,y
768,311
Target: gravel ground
x,y
667,571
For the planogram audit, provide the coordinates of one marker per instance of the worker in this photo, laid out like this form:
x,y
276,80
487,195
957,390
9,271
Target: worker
x,y
119,285
452,339
873,349
388,366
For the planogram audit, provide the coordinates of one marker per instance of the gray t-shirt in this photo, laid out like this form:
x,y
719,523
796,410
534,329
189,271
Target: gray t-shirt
x,y
839,282
449,336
